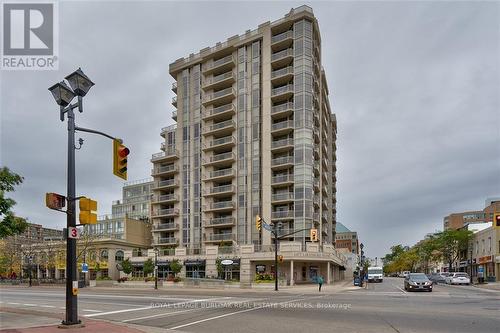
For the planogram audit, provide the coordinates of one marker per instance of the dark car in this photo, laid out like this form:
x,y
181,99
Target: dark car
x,y
437,278
417,281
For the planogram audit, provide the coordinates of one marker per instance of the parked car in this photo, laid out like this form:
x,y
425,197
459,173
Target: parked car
x,y
458,278
417,281
437,278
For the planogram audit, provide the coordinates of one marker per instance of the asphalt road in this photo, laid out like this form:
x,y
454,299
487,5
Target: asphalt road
x,y
382,307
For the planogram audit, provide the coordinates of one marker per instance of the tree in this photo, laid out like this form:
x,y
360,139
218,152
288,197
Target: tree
x,y
127,266
9,223
451,243
175,267
148,267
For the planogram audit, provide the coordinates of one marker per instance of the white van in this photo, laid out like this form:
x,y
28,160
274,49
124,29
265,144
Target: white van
x,y
375,274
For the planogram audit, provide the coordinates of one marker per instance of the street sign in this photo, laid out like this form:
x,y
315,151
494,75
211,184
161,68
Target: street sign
x,y
73,232
85,268
227,262
266,226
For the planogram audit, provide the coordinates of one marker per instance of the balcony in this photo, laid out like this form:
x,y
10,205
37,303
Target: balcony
x,y
223,190
282,93
164,184
164,198
223,96
219,65
282,76
174,115
282,40
282,110
167,241
282,197
282,128
220,112
325,189
282,145
282,162
220,222
168,129
219,81
282,58
165,212
166,227
220,175
316,136
164,170
220,206
316,201
221,143
316,185
225,127
284,214
169,154
174,87
220,237
220,159
174,101
281,180
316,167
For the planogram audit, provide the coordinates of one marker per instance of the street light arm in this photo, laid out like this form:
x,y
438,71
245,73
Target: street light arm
x,y
82,129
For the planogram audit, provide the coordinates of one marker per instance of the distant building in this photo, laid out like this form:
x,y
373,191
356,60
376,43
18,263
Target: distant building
x,y
485,254
136,200
346,239
459,220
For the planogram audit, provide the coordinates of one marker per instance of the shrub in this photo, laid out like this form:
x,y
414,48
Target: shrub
x,y
104,278
122,279
149,278
177,279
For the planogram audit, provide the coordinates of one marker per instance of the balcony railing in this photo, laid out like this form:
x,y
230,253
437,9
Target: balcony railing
x,y
282,196
282,143
282,125
285,35
282,214
174,114
169,152
165,197
221,237
219,62
167,240
166,182
165,168
167,211
220,109
282,160
217,126
221,189
282,54
282,179
174,100
221,221
174,86
221,141
218,78
222,173
282,107
282,90
282,71
221,204
217,94
221,157
165,226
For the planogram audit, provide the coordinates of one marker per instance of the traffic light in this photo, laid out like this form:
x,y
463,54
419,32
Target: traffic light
x,y
496,220
87,206
120,153
258,222
280,259
55,201
314,235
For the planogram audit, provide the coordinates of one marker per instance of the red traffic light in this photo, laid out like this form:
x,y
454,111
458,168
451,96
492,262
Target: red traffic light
x,y
123,152
497,219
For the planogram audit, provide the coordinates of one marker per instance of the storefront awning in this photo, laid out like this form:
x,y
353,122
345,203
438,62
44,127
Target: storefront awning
x,y
137,264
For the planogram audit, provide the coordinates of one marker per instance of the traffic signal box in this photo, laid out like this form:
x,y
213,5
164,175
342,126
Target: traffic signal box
x,y
120,153
55,201
314,235
87,207
258,222
280,259
496,220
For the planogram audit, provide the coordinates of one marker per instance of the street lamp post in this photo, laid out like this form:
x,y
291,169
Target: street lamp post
x,y
156,267
80,85
30,260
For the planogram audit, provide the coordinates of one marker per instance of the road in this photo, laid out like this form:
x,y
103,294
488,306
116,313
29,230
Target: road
x,y
382,307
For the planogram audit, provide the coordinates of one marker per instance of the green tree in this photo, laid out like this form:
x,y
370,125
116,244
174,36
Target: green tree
x,y
451,244
9,223
175,267
127,266
149,267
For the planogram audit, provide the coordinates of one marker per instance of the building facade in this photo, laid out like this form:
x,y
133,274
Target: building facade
x,y
346,239
136,200
485,254
459,220
254,135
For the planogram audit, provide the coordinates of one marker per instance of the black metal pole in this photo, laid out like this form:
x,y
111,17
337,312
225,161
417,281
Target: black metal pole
x,y
30,269
71,300
275,257
156,269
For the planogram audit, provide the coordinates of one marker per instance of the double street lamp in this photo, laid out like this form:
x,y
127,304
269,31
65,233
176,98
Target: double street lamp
x,y
79,86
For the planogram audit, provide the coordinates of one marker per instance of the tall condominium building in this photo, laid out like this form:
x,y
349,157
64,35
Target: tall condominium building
x,y
255,134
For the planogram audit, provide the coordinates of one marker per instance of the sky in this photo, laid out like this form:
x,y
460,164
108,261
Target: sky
x,y
415,87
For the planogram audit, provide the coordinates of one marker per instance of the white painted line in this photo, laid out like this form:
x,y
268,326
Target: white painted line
x,y
47,306
232,313
150,307
62,307
30,304
157,315
90,310
13,303
404,291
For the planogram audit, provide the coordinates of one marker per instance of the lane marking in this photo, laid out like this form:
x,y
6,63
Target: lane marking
x,y
90,310
47,306
30,304
404,291
14,303
234,313
151,306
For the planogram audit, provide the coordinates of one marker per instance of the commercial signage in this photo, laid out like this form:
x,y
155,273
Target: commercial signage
x,y
483,260
226,262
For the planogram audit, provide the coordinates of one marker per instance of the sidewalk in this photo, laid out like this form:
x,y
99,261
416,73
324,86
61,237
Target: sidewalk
x,y
489,286
15,320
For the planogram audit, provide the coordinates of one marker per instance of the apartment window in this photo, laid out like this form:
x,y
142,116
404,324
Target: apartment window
x,y
489,244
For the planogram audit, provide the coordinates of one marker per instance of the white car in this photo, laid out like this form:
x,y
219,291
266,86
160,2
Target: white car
x,y
458,278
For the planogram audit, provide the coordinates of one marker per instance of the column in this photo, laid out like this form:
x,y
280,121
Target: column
x,y
291,273
328,269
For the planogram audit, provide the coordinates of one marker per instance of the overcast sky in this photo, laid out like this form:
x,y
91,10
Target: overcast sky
x,y
415,87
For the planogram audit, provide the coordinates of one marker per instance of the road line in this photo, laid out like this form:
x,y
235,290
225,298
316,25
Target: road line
x,y
47,306
404,291
156,315
90,310
14,303
232,313
151,307
30,304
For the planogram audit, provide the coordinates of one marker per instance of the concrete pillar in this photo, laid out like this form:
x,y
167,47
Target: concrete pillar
x,y
291,273
328,272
